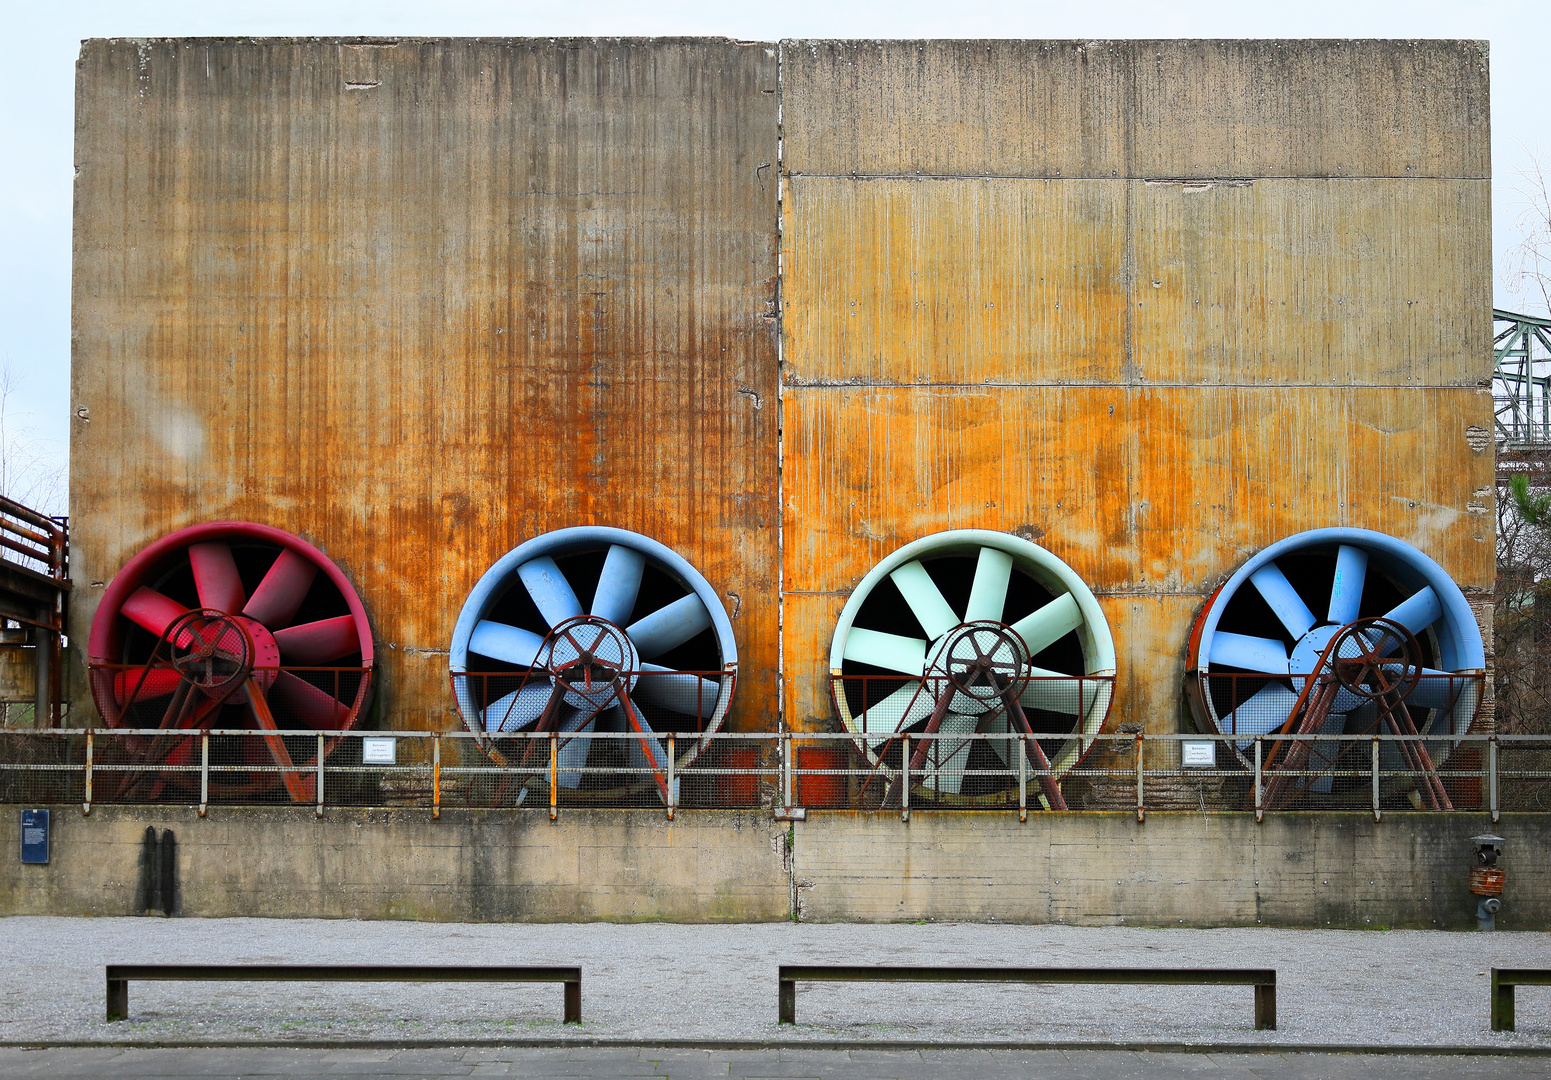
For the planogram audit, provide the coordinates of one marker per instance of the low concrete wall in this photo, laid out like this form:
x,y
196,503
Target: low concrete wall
x,y
1192,869
470,865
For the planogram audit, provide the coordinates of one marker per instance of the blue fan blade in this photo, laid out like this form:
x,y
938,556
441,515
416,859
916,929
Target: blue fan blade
x,y
680,691
1284,600
669,627
509,643
1266,710
618,585
1265,655
1418,612
1322,755
519,709
1346,591
572,753
552,593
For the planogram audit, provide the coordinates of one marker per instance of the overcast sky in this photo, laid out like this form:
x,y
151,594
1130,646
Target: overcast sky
x,y
37,87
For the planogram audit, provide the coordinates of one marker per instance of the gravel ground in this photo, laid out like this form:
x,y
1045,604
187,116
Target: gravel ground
x,y
651,982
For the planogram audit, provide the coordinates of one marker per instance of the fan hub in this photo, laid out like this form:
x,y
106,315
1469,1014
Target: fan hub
x,y
977,661
594,659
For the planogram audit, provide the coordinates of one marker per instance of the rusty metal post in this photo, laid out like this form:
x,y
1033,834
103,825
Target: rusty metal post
x,y
1023,778
436,775
118,999
204,773
554,774
1491,785
1141,806
573,1003
904,766
86,805
673,791
319,810
1260,808
1377,816
41,716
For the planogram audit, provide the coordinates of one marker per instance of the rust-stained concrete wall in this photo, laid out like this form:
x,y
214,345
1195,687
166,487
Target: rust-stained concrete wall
x,y
1342,870
1153,304
420,300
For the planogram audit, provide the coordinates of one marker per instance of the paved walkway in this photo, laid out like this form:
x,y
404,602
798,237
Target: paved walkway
x,y
789,1064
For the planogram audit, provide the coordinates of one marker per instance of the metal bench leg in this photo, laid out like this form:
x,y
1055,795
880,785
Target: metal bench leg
x,y
788,1002
118,999
1265,1007
573,1002
1502,1004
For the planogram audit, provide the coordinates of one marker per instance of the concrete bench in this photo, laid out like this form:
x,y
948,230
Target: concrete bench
x,y
1503,982
119,976
1262,979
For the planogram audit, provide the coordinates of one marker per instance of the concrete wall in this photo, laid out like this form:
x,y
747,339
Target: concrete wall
x,y
418,301
1341,870
393,864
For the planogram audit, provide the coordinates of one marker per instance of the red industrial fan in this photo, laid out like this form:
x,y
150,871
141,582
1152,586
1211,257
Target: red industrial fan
x,y
231,625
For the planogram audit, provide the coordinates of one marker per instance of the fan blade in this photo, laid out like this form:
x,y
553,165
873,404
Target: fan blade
x,y
1266,710
669,627
518,709
551,592
1284,600
1003,747
1323,755
925,599
572,753
618,585
889,651
680,691
639,758
507,643
300,699
988,594
1346,591
216,578
904,708
950,753
316,643
144,684
1049,624
1417,612
151,610
1054,691
1265,655
275,602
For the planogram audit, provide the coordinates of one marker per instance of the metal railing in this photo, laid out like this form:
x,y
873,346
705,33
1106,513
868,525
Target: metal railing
x,y
788,773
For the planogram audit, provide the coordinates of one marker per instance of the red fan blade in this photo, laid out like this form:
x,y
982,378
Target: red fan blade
x,y
216,578
313,707
150,609
144,684
319,642
282,591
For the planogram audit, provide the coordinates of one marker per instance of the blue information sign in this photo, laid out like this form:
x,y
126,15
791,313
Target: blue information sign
x,y
34,836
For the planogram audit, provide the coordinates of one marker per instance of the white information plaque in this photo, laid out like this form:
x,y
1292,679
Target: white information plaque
x,y
1198,755
379,751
